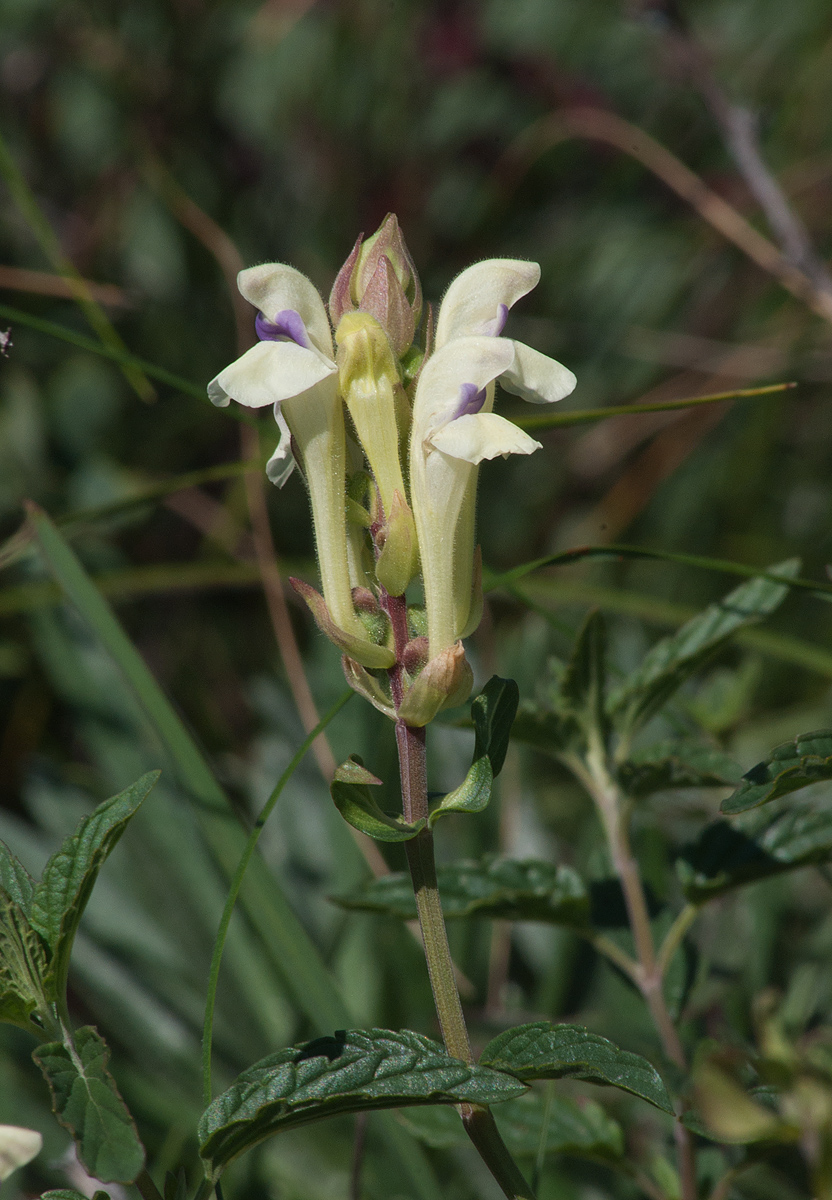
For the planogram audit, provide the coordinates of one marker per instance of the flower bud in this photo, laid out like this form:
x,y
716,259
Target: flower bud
x,y
369,380
399,558
445,682
379,278
365,651
361,681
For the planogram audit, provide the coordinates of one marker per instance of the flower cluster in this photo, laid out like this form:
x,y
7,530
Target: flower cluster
x,y
389,435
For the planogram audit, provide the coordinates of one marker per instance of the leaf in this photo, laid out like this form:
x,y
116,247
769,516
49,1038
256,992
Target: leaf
x,y
528,890
15,880
60,898
669,765
284,941
471,796
23,965
584,684
793,765
728,854
545,1051
86,1101
351,1072
493,712
581,1128
66,1194
349,790
674,659
545,730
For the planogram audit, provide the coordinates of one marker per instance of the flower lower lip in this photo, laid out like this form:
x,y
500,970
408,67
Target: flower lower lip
x,y
470,400
287,326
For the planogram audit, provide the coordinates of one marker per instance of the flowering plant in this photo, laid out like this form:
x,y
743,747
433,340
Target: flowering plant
x,y
421,417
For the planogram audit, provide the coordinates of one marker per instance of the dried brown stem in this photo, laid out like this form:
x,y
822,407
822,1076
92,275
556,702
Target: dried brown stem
x,y
601,125
43,283
226,254
740,131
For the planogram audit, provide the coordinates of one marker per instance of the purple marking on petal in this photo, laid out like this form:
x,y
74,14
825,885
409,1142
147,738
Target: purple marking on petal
x,y
495,327
470,401
287,326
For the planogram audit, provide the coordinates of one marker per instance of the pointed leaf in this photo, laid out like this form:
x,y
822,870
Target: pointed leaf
x,y
69,1194
789,767
545,1051
15,880
60,898
86,1101
584,684
493,713
728,854
471,796
674,659
511,890
545,730
676,764
349,790
351,1072
555,1124
23,966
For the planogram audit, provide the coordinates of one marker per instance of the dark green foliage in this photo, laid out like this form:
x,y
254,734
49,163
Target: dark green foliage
x,y
499,888
86,1101
674,659
358,807
676,764
754,846
545,1051
493,712
353,1071
794,765
59,899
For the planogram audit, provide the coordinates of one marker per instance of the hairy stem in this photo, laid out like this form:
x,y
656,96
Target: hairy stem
x,y
649,977
410,741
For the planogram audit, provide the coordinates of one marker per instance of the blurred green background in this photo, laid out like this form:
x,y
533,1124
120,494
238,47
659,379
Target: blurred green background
x,y
294,126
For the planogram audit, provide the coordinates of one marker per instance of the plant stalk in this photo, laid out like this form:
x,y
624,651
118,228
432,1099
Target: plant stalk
x,y
649,978
411,743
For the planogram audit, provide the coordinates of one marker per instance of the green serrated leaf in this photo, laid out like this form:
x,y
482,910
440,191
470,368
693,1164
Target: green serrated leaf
x,y
349,790
86,1101
669,765
555,1124
67,1194
15,880
674,659
471,796
528,890
60,898
545,730
728,854
583,687
793,765
23,966
351,1072
493,712
545,1051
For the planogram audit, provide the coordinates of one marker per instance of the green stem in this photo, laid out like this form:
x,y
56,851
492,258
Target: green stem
x,y
147,1187
612,809
478,1121
236,884
675,936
